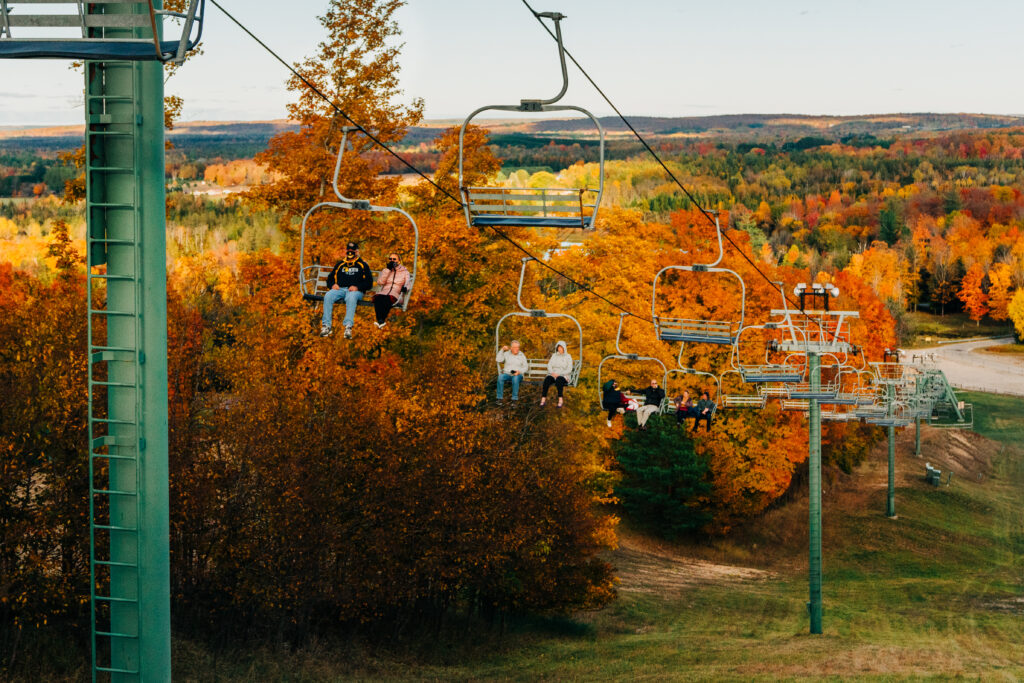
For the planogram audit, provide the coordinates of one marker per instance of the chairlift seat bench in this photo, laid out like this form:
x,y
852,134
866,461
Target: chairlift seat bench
x,y
318,274
547,207
74,30
697,331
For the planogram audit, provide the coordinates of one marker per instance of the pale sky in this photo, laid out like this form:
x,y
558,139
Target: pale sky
x,y
653,57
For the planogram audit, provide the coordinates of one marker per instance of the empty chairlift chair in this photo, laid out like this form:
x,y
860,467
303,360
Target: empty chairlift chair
x,y
534,207
538,366
739,399
631,357
313,277
98,30
699,331
767,373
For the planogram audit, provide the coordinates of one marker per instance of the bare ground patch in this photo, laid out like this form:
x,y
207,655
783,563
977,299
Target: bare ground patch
x,y
645,565
967,454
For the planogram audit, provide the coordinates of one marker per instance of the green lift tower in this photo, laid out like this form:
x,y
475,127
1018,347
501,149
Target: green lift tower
x,y
120,43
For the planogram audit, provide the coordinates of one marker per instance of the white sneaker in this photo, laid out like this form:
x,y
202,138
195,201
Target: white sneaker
x,y
609,422
348,332
377,324
325,330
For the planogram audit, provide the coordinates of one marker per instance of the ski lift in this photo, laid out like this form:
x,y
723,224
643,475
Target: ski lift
x,y
313,278
769,372
739,400
699,331
621,355
103,30
897,416
534,207
959,415
538,367
890,371
766,372
820,331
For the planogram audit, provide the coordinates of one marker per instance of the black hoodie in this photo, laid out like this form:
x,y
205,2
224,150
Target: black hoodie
x,y
354,273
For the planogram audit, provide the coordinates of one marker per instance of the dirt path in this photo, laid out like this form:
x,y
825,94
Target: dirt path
x,y
644,565
966,368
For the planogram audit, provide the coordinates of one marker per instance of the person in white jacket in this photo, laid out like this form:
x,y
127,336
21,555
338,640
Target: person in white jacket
x,y
559,369
513,365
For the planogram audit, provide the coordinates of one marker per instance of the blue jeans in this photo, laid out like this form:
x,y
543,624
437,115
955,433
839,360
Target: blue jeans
x,y
505,377
351,301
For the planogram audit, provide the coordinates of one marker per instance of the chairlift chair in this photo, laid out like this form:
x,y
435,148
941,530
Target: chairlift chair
x,y
313,278
529,207
766,372
772,390
98,30
632,357
682,370
538,367
699,331
739,400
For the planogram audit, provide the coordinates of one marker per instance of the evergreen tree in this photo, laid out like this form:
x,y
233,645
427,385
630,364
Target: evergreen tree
x,y
664,482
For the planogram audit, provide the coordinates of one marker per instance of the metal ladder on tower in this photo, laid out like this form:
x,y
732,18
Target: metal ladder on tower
x,y
115,366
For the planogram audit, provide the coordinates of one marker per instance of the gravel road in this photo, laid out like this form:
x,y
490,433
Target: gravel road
x,y
968,368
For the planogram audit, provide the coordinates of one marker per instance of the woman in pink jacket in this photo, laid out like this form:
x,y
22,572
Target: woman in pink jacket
x,y
392,284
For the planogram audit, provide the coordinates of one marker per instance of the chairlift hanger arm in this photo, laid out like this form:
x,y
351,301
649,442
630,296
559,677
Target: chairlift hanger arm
x,y
539,105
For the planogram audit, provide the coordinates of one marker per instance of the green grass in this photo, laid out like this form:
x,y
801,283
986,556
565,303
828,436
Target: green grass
x,y
936,594
927,596
926,329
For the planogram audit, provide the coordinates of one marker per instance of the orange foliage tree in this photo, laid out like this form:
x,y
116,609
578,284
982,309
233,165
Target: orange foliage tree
x,y
973,294
44,532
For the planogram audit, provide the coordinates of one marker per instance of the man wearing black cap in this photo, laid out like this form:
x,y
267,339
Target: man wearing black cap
x,y
349,280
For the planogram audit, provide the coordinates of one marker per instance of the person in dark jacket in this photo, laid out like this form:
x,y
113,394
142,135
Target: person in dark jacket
x,y
350,279
705,409
612,399
653,396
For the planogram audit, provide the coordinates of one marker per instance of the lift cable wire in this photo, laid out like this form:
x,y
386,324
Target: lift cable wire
x,y
657,158
415,170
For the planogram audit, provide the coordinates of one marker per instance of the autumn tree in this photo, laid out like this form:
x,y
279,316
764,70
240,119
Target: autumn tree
x,y
356,66
972,293
1016,312
1000,290
44,482
945,282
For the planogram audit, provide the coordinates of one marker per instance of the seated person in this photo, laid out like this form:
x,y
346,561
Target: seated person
x,y
513,365
392,285
684,407
349,280
705,408
559,369
653,396
613,400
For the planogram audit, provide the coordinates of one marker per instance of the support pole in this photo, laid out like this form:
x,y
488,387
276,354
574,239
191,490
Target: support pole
x,y
814,468
129,526
890,503
917,436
